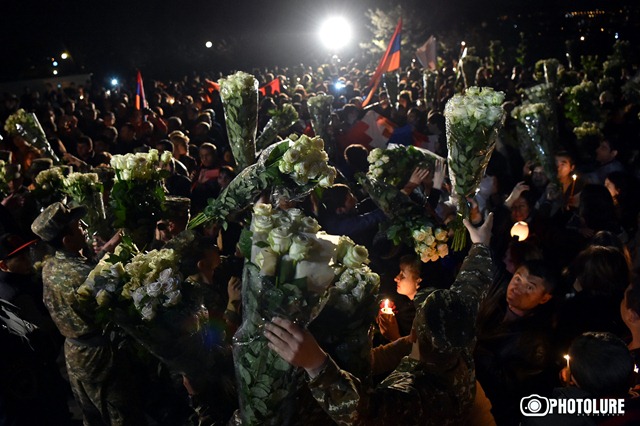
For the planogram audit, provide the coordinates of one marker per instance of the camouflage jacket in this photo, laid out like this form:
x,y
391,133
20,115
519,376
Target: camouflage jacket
x,y
62,274
418,392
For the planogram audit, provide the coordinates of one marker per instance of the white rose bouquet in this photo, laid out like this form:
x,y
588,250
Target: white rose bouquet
x,y
4,179
49,185
535,135
395,164
86,189
281,120
473,120
27,126
239,93
146,296
320,111
138,194
297,273
292,167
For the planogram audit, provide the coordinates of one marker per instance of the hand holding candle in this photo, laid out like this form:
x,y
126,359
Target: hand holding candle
x,y
386,308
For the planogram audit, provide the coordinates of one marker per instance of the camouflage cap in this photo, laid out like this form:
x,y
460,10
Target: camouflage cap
x,y
445,322
54,219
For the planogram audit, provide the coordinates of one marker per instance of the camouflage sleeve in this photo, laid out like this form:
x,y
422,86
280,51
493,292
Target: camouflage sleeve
x,y
386,358
475,276
338,393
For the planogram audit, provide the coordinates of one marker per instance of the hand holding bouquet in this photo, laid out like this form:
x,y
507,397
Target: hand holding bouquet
x,y
27,126
473,121
293,167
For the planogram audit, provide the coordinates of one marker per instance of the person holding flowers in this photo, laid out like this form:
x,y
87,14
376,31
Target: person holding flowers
x,y
100,380
435,384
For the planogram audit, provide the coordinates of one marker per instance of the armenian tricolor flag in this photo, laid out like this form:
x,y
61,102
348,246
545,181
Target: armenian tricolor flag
x,y
390,62
141,101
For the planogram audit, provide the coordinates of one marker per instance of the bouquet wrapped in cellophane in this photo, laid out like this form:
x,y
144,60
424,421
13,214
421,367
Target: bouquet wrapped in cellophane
x,y
473,121
296,272
239,94
408,222
146,295
138,193
280,121
27,126
320,111
293,167
86,189
49,185
535,135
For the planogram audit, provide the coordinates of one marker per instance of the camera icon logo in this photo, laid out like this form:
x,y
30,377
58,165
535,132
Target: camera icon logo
x,y
534,406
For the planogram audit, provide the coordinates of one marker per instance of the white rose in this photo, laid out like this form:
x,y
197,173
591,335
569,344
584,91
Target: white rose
x,y
328,177
292,156
154,289
126,174
166,157
441,234
280,239
295,215
419,235
172,298
309,225
261,224
148,312
346,282
429,240
356,256
137,296
267,261
262,209
153,155
300,247
442,249
344,243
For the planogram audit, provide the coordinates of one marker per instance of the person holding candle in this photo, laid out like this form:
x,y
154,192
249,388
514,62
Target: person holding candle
x,y
399,322
569,179
435,384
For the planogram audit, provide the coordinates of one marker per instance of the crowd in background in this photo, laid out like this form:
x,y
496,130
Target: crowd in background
x,y
575,273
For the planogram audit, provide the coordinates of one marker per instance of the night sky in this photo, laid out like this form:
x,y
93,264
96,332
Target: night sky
x,y
167,38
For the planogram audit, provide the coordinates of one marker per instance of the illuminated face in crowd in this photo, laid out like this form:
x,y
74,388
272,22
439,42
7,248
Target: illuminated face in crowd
x,y
564,167
520,210
407,281
525,292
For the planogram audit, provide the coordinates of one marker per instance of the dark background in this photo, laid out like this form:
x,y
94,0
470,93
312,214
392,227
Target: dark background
x,y
167,39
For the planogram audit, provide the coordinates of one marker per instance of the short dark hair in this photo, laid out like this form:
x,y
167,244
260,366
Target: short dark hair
x,y
601,364
540,268
412,261
602,271
356,156
194,252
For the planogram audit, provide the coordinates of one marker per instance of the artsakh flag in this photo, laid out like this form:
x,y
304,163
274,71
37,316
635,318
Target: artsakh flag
x,y
372,131
390,62
141,101
274,85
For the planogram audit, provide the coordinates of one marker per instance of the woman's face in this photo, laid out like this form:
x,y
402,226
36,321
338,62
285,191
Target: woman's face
x,y
407,283
520,210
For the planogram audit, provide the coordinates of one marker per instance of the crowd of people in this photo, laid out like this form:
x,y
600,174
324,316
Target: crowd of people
x,y
472,333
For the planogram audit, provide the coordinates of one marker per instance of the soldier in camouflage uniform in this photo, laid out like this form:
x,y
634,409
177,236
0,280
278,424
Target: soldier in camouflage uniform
x,y
97,380
435,385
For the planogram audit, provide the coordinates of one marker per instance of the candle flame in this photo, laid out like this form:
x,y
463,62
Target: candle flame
x,y
635,369
574,177
567,357
386,303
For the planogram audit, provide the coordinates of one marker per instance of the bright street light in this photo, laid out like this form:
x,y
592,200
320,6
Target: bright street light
x,y
335,33
208,45
64,55
114,81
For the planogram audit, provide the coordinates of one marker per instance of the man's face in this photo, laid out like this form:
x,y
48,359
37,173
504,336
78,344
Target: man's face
x,y
604,154
526,291
564,167
76,239
84,150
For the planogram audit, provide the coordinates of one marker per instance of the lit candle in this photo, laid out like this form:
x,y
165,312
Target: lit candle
x,y
386,309
567,357
573,184
520,230
635,368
